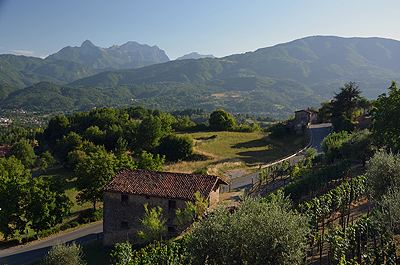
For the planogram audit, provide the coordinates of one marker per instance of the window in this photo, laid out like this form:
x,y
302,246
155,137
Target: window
x,y
171,205
124,198
124,225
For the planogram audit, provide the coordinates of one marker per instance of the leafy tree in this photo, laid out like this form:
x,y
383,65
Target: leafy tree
x,y
45,161
176,148
67,144
113,134
193,210
184,124
147,161
75,157
342,123
23,151
220,120
56,128
383,172
364,105
332,143
121,146
13,184
150,132
387,119
359,145
277,235
346,100
45,206
95,135
95,171
167,120
153,223
325,111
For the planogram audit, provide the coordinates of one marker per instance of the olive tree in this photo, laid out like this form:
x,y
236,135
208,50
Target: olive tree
x,y
383,172
258,232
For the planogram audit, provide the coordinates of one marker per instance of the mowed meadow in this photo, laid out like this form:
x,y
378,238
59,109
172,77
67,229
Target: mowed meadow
x,y
221,151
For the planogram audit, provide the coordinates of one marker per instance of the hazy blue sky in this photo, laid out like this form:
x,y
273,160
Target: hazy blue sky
x,y
219,27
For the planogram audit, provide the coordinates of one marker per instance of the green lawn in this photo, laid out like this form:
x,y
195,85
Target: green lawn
x,y
238,149
252,148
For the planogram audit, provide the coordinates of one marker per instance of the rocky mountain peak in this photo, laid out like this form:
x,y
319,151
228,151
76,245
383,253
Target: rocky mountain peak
x,y
87,43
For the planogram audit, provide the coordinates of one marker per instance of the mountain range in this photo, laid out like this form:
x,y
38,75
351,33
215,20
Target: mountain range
x,y
270,81
128,55
195,55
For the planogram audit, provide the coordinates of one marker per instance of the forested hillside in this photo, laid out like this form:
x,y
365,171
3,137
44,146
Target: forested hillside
x,y
22,71
322,63
273,81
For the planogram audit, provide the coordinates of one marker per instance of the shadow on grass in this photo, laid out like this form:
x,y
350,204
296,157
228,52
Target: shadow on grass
x,y
259,156
252,144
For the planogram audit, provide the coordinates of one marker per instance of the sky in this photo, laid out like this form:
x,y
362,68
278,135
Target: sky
x,y
219,27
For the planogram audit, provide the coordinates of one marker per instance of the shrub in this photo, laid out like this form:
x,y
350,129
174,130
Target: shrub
x,y
258,232
69,225
62,254
201,171
90,215
310,152
48,232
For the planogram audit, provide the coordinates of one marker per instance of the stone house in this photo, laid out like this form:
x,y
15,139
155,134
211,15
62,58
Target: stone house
x,y
305,117
125,195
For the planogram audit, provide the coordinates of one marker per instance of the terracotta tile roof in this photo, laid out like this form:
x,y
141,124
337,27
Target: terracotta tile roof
x,y
162,184
310,111
5,149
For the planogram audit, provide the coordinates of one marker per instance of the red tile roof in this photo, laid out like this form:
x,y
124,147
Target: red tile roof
x,y
162,184
310,111
5,149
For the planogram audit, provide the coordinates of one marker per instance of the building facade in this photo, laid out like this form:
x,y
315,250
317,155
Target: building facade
x,y
306,117
125,195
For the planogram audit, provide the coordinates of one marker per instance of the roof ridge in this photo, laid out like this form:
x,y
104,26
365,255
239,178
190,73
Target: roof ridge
x,y
162,183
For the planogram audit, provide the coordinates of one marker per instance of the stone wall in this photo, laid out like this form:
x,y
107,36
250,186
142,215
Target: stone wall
x,y
214,195
302,118
122,214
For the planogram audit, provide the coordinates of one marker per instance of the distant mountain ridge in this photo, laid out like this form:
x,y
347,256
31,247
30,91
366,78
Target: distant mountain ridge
x,y
321,62
128,55
21,71
271,81
195,55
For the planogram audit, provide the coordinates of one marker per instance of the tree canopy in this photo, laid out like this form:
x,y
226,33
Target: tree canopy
x,y
277,235
346,100
220,120
386,122
95,171
383,172
23,151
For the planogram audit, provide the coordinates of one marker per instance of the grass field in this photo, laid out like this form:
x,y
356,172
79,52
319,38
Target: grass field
x,y
227,150
61,174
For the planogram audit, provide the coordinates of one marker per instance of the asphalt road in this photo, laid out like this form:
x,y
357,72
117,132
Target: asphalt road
x,y
35,251
317,132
